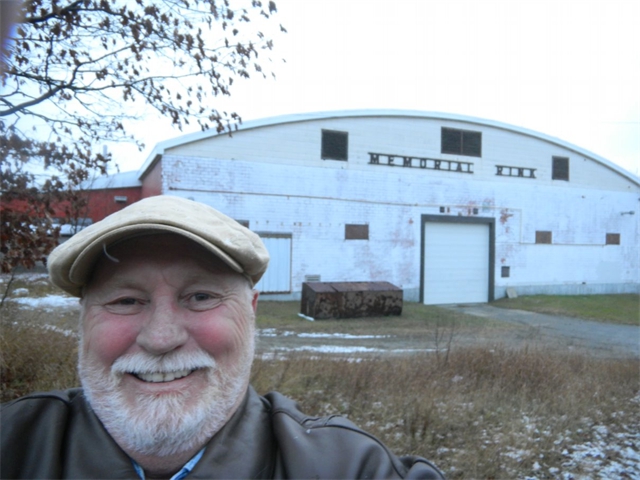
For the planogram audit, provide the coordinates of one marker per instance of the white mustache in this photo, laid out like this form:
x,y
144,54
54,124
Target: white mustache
x,y
145,363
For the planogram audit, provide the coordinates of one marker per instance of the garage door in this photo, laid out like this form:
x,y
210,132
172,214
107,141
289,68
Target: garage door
x,y
456,263
277,278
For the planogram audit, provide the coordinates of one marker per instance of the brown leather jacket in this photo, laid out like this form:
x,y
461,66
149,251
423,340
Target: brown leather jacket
x,y
57,435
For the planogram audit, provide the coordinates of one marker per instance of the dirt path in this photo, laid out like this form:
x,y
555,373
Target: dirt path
x,y
565,332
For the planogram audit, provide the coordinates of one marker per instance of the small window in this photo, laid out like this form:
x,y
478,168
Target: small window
x,y
356,232
461,142
543,237
335,145
505,272
560,169
613,239
244,223
120,199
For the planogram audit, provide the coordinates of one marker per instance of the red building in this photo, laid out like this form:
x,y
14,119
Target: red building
x,y
109,194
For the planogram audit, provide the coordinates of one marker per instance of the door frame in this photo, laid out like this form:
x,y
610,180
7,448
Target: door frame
x,y
281,235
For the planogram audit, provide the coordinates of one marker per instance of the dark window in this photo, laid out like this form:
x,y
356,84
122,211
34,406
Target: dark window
x,y
335,145
461,142
356,232
506,271
543,237
244,223
560,169
613,239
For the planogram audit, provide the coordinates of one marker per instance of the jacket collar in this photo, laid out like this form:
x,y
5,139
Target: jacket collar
x,y
244,447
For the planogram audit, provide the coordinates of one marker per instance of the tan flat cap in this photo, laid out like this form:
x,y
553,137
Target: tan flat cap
x,y
71,263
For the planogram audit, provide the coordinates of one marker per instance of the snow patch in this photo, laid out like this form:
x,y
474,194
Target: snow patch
x,y
332,349
340,335
48,302
272,332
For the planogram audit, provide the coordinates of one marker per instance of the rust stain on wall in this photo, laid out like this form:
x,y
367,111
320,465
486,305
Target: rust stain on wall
x,y
505,215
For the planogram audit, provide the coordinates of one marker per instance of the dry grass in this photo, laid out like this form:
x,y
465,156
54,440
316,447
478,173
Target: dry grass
x,y
33,359
483,413
415,316
417,324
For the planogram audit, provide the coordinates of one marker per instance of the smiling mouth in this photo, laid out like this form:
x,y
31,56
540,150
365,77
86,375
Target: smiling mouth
x,y
161,377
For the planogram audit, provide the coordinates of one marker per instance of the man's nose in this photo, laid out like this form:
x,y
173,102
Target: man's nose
x,y
164,331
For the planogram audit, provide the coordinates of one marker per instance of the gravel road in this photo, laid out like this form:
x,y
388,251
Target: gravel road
x,y
600,338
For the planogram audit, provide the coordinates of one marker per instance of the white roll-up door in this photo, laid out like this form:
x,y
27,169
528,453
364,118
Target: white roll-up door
x,y
456,263
277,278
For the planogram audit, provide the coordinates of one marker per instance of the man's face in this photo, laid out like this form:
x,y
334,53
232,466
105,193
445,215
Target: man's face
x,y
167,343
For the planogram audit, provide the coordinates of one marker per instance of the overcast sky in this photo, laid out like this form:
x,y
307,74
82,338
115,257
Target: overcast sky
x,y
566,68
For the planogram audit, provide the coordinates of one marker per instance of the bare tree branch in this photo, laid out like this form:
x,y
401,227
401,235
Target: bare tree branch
x,y
77,69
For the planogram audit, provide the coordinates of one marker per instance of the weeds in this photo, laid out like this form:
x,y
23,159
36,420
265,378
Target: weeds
x,y
7,288
485,414
444,334
35,359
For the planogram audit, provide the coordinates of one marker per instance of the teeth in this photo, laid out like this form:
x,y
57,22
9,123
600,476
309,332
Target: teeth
x,y
158,377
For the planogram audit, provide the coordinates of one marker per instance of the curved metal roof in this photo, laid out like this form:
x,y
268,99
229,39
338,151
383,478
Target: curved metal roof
x,y
161,147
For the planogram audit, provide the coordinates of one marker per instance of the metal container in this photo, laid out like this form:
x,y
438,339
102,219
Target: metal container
x,y
321,300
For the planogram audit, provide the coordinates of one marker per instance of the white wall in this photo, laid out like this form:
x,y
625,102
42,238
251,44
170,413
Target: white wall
x,y
274,178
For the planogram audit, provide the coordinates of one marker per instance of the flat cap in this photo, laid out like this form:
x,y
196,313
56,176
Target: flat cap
x,y
71,263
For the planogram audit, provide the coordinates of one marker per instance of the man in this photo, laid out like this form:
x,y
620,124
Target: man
x,y
167,341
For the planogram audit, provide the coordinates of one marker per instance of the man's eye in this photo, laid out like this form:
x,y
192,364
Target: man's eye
x,y
201,297
124,306
126,301
202,301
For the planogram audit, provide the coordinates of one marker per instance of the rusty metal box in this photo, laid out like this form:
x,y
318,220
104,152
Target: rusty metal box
x,y
321,300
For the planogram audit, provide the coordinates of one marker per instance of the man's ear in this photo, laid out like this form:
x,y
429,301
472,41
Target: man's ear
x,y
254,300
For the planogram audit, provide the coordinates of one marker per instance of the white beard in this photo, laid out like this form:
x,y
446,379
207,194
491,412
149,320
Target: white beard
x,y
170,424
